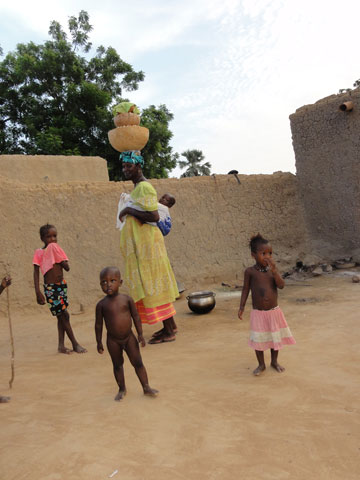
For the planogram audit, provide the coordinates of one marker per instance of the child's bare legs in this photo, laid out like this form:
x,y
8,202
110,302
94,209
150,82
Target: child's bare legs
x,y
64,326
260,358
274,362
133,352
61,332
117,358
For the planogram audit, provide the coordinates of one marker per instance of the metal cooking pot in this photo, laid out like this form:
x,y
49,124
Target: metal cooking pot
x,y
201,302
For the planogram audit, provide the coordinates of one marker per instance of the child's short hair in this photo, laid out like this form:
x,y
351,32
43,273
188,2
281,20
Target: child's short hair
x,y
256,241
44,229
105,270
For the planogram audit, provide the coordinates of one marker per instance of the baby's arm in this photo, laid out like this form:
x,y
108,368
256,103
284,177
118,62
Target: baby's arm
x,y
137,322
39,296
99,321
279,281
245,293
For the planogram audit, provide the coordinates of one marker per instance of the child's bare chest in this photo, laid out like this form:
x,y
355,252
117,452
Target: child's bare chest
x,y
262,284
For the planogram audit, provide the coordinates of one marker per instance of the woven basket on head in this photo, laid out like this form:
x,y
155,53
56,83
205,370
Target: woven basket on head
x,y
122,119
129,137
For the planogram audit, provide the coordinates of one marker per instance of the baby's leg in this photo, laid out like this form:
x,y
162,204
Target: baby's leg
x,y
64,318
274,362
133,352
116,354
260,358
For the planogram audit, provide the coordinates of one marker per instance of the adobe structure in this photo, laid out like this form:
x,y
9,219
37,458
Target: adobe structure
x,y
326,142
213,218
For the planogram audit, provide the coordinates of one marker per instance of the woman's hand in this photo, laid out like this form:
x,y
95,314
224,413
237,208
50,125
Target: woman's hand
x,y
123,213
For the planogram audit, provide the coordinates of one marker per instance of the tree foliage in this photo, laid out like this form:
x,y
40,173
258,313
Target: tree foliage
x,y
54,101
193,164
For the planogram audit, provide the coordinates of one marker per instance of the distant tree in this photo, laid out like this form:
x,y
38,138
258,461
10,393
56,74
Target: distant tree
x,y
54,101
356,84
193,164
158,156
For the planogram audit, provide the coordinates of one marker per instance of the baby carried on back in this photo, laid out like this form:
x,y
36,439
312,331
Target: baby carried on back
x,y
164,222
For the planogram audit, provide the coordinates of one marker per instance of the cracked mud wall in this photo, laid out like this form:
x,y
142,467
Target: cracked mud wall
x,y
326,142
213,220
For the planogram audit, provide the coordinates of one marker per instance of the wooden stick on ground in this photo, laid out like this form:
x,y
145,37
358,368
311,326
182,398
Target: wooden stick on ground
x,y
11,339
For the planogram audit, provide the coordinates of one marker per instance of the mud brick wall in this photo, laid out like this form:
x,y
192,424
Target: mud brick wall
x,y
53,169
213,220
327,149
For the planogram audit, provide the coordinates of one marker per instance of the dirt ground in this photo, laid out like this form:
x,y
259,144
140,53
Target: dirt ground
x,y
212,418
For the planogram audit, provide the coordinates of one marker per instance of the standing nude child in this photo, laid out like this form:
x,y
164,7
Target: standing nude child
x,y
118,311
52,260
268,327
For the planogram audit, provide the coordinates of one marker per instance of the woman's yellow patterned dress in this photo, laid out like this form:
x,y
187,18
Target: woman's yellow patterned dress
x,y
148,273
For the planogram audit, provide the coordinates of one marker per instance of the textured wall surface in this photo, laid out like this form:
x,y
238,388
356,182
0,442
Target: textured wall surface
x,y
327,148
213,220
53,169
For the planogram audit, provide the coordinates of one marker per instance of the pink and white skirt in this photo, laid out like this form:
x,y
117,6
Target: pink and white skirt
x,y
268,329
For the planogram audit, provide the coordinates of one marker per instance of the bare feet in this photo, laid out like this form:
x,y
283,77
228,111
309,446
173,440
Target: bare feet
x,y
120,395
65,350
7,399
150,391
259,370
277,367
79,349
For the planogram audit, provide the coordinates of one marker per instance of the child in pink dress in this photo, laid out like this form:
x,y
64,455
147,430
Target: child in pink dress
x,y
268,327
51,260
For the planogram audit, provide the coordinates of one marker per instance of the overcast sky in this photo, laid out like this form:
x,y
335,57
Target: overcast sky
x,y
231,71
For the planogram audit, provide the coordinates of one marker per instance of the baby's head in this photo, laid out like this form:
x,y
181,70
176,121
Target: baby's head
x,y
168,200
110,280
48,234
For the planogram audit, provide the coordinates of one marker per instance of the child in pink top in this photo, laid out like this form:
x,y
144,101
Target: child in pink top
x,y
51,260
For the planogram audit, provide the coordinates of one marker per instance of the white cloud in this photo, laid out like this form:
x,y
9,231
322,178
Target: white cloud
x,y
247,65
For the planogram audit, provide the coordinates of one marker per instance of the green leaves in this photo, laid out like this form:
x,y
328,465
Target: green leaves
x,y
54,101
193,164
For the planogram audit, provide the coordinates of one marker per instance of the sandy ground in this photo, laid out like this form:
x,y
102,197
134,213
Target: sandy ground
x,y
212,419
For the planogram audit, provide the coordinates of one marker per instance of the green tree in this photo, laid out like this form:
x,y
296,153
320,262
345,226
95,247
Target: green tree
x,y
54,101
193,164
